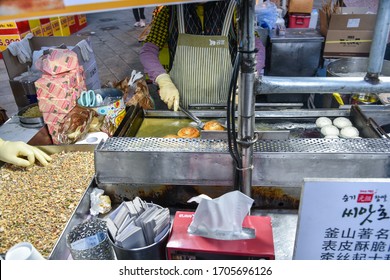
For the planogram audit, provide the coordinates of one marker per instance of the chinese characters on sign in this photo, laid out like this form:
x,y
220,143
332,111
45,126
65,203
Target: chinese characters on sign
x,y
344,220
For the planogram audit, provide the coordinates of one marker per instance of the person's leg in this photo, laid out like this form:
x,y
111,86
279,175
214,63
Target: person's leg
x,y
142,16
387,52
136,15
142,13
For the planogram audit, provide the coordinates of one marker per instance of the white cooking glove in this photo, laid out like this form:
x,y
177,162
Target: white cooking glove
x,y
168,91
85,49
17,152
22,49
135,76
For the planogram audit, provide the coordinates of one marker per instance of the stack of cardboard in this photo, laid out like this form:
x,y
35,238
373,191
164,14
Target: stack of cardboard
x,y
59,87
348,32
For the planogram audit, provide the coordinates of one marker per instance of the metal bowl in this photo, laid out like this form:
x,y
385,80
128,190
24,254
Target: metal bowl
x,y
354,66
30,122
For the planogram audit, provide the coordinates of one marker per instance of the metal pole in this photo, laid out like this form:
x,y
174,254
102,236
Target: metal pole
x,y
276,85
246,101
378,45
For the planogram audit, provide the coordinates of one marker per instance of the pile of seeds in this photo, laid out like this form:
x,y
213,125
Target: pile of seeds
x,y
37,202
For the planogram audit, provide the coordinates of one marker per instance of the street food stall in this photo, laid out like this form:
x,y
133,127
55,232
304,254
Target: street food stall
x,y
263,151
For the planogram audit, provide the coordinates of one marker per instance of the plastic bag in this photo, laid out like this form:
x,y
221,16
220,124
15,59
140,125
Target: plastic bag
x,y
100,204
267,14
75,125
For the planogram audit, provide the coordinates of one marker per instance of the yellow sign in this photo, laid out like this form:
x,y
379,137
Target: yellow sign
x,y
5,40
8,25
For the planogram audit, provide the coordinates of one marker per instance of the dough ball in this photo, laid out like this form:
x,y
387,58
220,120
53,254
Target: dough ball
x,y
323,121
188,132
330,130
349,132
341,122
213,125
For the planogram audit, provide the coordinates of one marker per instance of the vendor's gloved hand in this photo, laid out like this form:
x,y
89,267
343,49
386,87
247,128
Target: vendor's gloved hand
x,y
14,153
168,91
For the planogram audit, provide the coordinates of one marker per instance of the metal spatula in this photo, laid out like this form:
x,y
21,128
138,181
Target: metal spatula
x,y
199,123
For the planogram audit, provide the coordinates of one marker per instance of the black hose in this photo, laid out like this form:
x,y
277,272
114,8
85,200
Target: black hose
x,y
230,116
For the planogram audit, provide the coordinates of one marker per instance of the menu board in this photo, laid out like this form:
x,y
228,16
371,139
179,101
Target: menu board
x,y
30,9
344,219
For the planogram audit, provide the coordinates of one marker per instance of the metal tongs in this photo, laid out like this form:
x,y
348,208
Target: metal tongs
x,y
199,123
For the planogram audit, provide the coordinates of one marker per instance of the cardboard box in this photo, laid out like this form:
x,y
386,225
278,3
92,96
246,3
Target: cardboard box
x,y
14,27
300,6
65,30
349,35
91,73
47,30
37,31
81,21
73,27
34,23
342,11
184,246
60,26
15,68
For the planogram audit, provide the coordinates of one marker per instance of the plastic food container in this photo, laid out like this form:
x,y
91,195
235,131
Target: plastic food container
x,y
299,20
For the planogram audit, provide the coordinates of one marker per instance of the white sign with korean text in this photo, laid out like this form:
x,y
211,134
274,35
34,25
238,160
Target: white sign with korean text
x,y
344,219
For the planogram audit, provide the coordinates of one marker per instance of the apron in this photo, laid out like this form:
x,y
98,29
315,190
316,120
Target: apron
x,y
202,66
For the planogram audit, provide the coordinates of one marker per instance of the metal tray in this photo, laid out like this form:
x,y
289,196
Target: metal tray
x,y
30,122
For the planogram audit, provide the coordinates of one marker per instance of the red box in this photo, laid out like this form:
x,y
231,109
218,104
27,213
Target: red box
x,y
73,27
298,20
184,246
81,21
14,27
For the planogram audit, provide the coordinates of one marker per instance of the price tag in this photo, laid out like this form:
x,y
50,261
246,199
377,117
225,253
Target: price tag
x,y
5,40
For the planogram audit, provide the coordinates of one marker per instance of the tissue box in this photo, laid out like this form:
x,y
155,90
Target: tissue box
x,y
184,246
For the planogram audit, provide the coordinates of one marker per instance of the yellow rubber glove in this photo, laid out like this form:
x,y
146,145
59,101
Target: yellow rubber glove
x,y
17,152
168,91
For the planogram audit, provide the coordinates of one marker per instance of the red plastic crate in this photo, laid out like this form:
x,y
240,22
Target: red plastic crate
x,y
299,20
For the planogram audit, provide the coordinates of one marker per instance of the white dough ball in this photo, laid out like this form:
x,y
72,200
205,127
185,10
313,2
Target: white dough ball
x,y
330,130
349,132
332,136
342,122
323,121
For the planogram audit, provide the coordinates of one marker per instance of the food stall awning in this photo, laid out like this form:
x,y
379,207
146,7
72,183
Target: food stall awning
x,y
11,10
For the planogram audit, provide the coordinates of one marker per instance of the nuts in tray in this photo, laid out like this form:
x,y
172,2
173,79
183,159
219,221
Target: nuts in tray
x,y
36,203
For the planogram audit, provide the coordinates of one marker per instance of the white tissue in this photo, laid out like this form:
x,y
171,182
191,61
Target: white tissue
x,y
222,217
93,138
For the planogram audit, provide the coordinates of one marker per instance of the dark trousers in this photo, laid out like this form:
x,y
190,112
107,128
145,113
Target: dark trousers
x,y
139,14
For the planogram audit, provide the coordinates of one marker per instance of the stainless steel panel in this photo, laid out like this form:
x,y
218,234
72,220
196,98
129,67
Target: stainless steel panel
x,y
289,170
163,161
207,162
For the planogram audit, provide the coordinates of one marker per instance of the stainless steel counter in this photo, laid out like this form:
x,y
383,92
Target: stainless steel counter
x,y
11,130
284,224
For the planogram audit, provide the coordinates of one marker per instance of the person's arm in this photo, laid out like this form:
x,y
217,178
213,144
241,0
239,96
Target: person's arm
x,y
156,40
21,154
149,59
